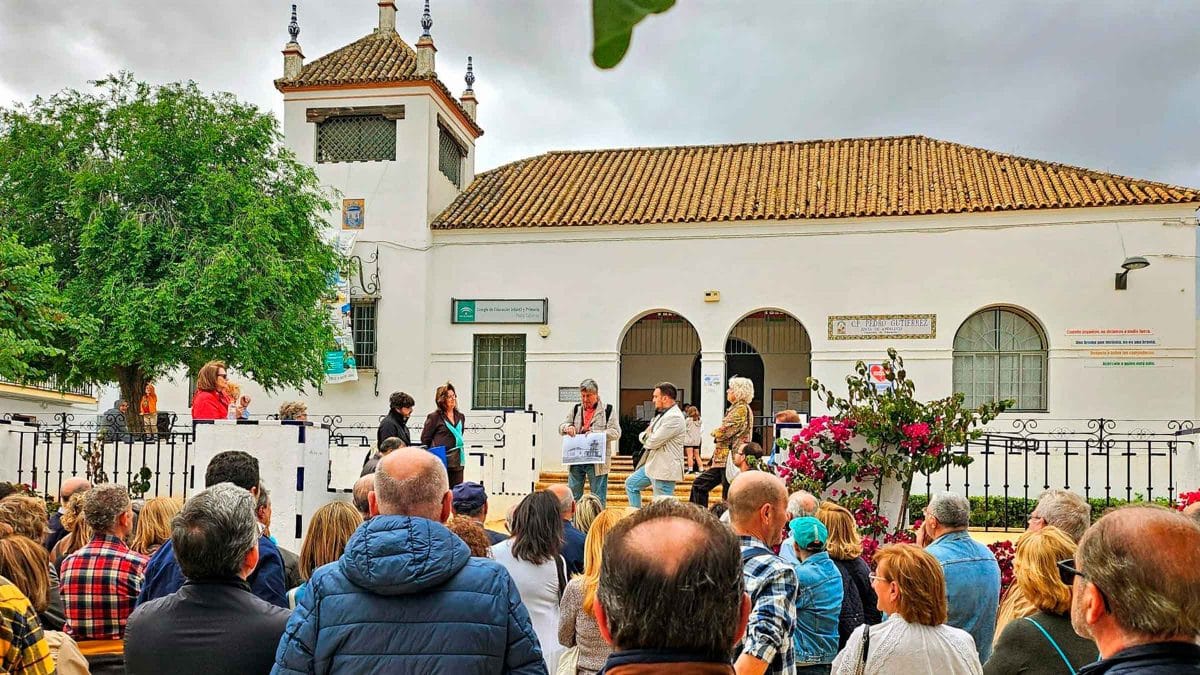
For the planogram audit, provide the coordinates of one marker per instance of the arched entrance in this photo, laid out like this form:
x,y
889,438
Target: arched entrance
x,y
773,349
659,347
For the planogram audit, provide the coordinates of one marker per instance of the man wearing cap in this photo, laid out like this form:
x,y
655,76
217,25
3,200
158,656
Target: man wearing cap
x,y
471,501
819,600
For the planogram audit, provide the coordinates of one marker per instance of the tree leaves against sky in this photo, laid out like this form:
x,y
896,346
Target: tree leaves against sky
x,y
612,26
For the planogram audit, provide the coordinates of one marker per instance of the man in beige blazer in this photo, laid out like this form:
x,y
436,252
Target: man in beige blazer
x,y
662,462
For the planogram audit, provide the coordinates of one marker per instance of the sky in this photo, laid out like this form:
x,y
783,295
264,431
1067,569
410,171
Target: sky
x,y
1108,85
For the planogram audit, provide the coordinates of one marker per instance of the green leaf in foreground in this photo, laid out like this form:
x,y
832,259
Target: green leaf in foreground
x,y
612,26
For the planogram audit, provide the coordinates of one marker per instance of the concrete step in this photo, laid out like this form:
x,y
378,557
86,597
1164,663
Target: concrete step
x,y
616,485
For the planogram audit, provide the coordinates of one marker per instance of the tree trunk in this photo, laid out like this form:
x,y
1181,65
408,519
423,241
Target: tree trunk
x,y
902,523
132,381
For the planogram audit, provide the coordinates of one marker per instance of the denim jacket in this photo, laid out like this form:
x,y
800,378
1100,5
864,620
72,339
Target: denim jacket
x,y
972,586
818,606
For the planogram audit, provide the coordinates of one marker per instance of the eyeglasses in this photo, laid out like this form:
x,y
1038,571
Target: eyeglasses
x,y
221,375
876,577
1034,516
1067,573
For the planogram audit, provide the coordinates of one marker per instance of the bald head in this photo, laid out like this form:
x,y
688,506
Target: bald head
x,y
411,482
1193,511
751,490
362,491
72,485
1143,559
566,500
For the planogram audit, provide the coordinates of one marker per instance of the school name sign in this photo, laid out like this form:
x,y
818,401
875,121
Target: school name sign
x,y
499,311
883,326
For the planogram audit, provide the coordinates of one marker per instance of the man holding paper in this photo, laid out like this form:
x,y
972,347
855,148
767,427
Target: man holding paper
x,y
589,417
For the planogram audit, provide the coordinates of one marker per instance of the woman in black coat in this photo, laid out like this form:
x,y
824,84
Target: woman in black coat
x,y
445,427
845,548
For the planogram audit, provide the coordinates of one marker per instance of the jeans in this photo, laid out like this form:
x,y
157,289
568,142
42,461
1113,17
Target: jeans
x,y
598,485
638,481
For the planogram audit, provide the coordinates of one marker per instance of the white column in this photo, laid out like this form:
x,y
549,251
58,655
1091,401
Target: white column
x,y
712,395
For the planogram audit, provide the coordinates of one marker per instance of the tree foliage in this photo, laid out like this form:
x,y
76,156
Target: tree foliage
x,y
32,310
180,230
612,26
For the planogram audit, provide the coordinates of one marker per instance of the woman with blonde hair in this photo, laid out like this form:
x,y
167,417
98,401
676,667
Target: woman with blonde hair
x,y
845,549
328,531
691,439
1034,633
444,428
586,510
79,533
24,562
911,588
577,627
735,431
154,524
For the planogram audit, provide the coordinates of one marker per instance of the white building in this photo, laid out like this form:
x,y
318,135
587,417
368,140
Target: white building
x,y
991,274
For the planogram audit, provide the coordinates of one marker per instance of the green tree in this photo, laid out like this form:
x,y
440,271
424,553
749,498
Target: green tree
x,y
612,26
32,310
180,228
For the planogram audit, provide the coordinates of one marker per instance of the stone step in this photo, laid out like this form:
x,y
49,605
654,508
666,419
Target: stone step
x,y
616,485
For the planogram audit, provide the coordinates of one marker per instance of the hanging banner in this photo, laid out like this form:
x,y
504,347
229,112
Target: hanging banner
x,y
339,362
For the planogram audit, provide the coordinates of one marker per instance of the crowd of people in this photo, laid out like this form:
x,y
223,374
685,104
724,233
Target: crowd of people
x,y
410,575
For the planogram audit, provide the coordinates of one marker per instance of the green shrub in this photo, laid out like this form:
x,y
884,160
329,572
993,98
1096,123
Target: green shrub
x,y
992,512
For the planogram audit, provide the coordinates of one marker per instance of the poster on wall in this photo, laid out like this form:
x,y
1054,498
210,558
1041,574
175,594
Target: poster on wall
x,y
339,361
353,214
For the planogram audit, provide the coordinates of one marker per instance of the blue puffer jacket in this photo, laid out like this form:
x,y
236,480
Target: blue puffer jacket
x,y
407,597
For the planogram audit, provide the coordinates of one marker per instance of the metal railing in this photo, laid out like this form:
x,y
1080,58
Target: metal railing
x,y
1108,462
52,384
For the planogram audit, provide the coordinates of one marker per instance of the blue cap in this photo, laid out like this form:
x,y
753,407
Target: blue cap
x,y
468,497
807,530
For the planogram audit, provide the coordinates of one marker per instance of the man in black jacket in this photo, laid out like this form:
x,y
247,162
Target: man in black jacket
x,y
214,624
395,423
1134,592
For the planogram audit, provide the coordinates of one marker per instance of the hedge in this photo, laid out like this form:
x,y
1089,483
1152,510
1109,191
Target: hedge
x,y
991,512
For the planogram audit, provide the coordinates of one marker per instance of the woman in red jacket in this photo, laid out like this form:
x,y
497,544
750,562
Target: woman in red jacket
x,y
210,401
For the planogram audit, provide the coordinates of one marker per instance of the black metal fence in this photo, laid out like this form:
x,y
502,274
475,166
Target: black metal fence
x,y
1109,462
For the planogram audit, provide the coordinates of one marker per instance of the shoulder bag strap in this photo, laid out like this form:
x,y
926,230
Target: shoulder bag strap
x,y
1054,644
560,567
861,667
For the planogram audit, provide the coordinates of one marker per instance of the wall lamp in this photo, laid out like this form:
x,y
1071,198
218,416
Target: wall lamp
x,y
1136,262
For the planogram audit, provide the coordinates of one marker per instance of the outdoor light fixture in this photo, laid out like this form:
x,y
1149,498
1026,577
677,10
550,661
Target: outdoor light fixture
x,y
1136,262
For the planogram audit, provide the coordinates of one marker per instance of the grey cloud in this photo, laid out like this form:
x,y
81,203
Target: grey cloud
x,y
1109,85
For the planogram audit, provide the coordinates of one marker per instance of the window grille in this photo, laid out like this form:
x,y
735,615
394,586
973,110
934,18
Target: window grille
x,y
1001,354
356,138
499,368
450,156
362,322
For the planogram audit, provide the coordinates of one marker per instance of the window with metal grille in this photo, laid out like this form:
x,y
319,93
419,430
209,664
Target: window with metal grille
x,y
356,138
362,322
499,368
1001,354
450,156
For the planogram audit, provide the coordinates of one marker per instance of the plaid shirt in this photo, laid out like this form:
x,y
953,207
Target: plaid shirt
x,y
23,647
772,585
100,585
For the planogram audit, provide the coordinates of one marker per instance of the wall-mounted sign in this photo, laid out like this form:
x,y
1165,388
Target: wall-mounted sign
x,y
883,326
569,394
878,377
353,214
1112,338
498,311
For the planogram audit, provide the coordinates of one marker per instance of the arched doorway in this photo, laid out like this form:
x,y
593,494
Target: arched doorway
x,y
773,349
659,347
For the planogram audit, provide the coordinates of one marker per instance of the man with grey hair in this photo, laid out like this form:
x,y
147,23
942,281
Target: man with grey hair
x,y
214,623
101,581
590,417
573,539
972,573
1136,592
802,503
406,596
1063,509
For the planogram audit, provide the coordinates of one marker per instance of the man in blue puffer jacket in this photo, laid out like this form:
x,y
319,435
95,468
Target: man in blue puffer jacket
x,y
406,595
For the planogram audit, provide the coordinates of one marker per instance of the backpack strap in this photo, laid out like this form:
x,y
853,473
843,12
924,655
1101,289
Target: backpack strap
x,y
1053,643
575,414
561,568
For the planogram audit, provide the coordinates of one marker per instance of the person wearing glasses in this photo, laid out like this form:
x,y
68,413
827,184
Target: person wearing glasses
x,y
444,428
915,638
1136,591
1034,633
210,401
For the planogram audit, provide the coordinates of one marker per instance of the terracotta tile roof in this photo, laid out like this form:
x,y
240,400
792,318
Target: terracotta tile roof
x,y
378,58
858,177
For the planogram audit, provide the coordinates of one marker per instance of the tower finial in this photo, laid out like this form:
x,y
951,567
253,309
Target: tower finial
x,y
294,26
470,77
426,20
